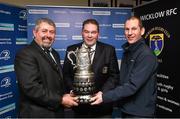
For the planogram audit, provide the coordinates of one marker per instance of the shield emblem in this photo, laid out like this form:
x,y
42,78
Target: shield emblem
x,y
157,43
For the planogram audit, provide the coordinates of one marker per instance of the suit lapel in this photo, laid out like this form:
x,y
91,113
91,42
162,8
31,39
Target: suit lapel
x,y
58,67
98,53
53,65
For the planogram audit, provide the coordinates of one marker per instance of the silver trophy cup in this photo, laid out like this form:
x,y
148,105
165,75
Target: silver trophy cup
x,y
83,84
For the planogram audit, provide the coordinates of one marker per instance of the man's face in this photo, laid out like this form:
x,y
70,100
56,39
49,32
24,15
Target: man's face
x,y
45,35
132,31
90,34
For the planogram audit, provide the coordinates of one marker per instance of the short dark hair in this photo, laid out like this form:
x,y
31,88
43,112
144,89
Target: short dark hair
x,y
138,18
91,21
47,20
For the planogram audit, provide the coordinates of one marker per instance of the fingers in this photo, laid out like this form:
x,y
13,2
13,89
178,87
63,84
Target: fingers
x,y
74,103
69,101
97,99
71,104
95,102
75,99
93,99
99,93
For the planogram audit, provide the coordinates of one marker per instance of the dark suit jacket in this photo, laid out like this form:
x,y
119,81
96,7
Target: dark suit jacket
x,y
105,68
40,83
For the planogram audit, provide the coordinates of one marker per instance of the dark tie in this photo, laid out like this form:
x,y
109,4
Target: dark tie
x,y
48,53
58,67
91,51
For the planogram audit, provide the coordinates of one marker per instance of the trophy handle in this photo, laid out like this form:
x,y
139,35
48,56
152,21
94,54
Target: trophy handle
x,y
68,55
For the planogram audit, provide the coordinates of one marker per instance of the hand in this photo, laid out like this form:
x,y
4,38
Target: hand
x,y
69,101
97,99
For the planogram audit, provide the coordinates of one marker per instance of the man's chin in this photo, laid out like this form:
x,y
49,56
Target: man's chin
x,y
90,44
46,46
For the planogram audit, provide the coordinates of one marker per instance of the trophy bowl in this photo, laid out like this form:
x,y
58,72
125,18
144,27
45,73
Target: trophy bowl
x,y
83,86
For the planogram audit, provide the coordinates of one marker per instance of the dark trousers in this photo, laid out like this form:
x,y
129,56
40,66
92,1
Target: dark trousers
x,y
125,115
88,111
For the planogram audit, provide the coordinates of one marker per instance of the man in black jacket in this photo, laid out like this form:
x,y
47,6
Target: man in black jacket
x,y
136,91
104,65
39,75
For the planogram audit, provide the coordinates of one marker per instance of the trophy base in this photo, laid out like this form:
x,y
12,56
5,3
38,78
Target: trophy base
x,y
84,99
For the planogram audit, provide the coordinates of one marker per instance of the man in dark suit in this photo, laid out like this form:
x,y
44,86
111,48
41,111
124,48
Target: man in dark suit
x,y
104,65
40,77
137,90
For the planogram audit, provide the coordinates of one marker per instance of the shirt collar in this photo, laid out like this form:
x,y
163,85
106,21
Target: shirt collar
x,y
50,49
92,47
132,47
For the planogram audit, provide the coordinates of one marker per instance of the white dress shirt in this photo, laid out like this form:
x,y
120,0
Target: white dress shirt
x,y
92,52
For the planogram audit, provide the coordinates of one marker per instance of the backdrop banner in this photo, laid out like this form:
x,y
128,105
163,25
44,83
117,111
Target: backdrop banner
x,y
162,35
69,24
13,30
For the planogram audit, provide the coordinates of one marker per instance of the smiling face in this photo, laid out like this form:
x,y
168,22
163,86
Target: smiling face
x,y
44,34
133,31
90,34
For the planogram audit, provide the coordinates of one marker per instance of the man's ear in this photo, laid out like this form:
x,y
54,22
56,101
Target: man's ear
x,y
34,32
142,31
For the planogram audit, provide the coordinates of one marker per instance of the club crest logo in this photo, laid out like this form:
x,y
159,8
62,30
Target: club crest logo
x,y
157,37
156,43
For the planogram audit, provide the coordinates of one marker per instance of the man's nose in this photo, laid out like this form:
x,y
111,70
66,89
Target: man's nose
x,y
89,34
48,33
129,32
